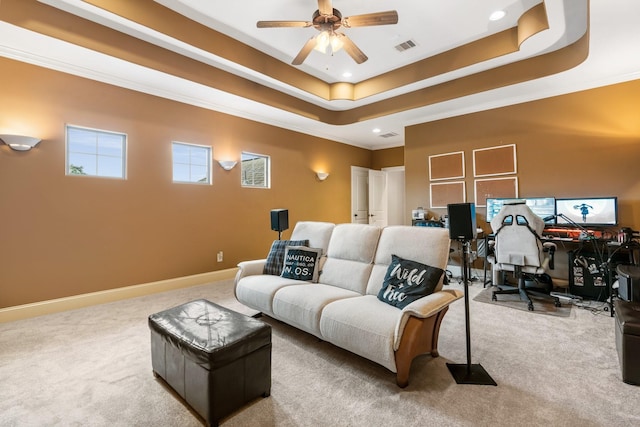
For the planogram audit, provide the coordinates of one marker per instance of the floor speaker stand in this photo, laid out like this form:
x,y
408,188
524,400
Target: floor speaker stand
x,y
468,373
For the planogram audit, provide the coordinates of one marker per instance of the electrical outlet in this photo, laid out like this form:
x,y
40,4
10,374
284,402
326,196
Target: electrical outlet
x,y
220,256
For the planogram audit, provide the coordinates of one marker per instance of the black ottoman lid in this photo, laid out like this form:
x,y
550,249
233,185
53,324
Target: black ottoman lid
x,y
628,316
209,334
629,271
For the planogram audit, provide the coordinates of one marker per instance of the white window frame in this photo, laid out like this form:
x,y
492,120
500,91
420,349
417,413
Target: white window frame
x,y
209,156
97,155
267,172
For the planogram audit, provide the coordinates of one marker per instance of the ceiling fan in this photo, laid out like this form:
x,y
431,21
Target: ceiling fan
x,y
328,20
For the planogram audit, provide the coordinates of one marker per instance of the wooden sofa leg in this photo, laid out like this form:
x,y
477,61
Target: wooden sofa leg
x,y
420,336
402,376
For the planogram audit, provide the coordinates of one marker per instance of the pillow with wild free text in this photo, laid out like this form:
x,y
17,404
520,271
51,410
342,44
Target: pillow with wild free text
x,y
276,255
302,263
407,281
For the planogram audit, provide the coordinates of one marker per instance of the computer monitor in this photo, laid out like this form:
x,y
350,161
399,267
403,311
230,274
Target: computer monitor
x,y
600,211
544,207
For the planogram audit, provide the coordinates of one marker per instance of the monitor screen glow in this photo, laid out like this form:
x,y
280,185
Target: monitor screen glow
x,y
588,211
543,207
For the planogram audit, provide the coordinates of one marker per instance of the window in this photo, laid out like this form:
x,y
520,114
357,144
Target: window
x,y
191,163
95,152
255,170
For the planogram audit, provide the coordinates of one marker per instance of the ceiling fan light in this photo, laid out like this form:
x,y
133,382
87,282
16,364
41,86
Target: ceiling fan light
x,y
322,41
336,42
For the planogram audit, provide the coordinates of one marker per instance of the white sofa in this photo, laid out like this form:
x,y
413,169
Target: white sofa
x,y
343,307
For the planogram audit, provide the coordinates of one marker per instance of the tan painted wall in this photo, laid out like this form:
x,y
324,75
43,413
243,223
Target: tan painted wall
x,y
581,144
70,235
387,158
64,235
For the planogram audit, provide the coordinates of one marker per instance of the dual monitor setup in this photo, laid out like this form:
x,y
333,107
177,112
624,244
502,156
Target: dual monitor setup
x,y
583,211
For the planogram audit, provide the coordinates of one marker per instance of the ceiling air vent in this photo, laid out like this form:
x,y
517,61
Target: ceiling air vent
x,y
405,45
388,135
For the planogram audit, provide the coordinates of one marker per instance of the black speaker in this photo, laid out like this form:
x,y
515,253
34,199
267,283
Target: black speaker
x,y
462,221
279,219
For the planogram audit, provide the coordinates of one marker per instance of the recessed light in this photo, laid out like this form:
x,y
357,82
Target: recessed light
x,y
347,74
497,15
376,130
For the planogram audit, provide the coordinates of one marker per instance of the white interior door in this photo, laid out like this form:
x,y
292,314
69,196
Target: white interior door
x,y
377,198
359,195
396,211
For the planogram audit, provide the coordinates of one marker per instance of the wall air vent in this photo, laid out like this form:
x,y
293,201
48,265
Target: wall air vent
x,y
388,135
405,45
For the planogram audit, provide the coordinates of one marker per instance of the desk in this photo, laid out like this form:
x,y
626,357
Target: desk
x,y
473,254
488,238
589,265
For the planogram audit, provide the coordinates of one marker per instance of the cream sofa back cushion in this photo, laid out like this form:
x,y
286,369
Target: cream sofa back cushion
x,y
350,256
317,233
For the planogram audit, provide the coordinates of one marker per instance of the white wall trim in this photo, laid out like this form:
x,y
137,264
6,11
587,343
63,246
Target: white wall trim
x,y
40,308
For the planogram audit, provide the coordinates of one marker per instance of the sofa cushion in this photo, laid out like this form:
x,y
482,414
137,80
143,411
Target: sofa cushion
x,y
351,251
346,274
301,263
301,306
407,281
276,255
317,233
257,292
354,242
427,245
363,325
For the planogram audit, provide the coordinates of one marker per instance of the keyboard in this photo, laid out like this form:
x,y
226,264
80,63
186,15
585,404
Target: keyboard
x,y
562,239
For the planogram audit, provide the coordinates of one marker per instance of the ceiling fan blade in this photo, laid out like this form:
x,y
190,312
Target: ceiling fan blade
x,y
281,24
353,50
305,51
325,7
378,18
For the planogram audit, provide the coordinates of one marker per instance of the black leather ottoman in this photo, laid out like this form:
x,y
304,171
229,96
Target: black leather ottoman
x,y
217,360
628,339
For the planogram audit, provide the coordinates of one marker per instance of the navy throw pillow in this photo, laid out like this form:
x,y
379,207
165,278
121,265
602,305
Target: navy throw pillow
x,y
301,263
407,281
276,255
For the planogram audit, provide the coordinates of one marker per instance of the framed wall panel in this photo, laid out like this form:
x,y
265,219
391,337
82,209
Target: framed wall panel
x,y
446,166
443,193
499,160
495,187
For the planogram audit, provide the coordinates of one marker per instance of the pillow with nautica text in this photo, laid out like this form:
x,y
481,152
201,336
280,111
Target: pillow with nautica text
x,y
407,281
276,255
301,263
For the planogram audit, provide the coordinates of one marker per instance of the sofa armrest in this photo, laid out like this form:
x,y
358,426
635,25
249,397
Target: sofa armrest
x,y
250,268
423,308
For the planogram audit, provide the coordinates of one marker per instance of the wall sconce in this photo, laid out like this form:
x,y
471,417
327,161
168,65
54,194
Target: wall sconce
x,y
227,164
20,142
322,175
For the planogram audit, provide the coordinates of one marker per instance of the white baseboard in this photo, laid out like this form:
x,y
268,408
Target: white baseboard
x,y
84,300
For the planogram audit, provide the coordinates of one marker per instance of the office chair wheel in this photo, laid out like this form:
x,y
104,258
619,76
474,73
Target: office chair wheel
x,y
494,297
530,306
557,303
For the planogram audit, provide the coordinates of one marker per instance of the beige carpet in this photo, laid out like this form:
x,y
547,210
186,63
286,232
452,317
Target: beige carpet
x,y
91,367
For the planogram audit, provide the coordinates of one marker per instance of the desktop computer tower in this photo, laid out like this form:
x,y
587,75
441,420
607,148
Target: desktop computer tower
x,y
588,278
462,221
